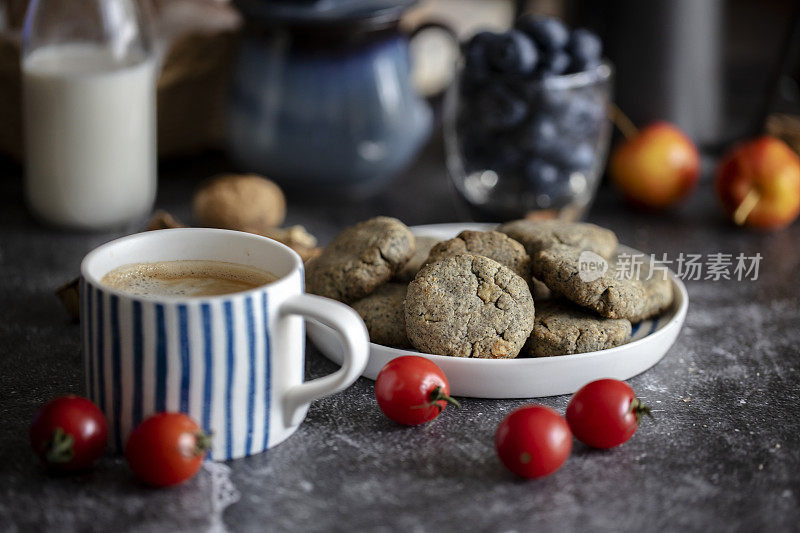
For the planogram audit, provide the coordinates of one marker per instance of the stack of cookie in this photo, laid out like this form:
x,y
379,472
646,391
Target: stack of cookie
x,y
473,295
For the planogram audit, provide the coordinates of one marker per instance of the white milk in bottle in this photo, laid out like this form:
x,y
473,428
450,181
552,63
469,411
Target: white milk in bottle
x,y
89,136
89,101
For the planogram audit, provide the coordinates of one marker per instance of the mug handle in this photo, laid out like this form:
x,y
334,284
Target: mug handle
x,y
353,334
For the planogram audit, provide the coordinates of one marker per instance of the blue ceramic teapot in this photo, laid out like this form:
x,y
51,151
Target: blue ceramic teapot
x,y
322,98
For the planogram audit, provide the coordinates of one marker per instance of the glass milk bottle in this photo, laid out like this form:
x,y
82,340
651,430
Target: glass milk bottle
x,y
89,98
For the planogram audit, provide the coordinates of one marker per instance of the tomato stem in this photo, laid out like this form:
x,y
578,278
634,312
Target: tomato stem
x,y
436,396
59,448
639,409
202,442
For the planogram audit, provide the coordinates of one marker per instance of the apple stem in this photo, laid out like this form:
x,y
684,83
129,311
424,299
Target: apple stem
x,y
746,207
621,121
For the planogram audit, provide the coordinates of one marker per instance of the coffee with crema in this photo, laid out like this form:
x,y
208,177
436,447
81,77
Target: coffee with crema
x,y
185,278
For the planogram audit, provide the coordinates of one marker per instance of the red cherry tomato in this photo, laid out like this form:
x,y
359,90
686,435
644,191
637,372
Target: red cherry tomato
x,y
605,413
69,433
412,390
166,449
533,441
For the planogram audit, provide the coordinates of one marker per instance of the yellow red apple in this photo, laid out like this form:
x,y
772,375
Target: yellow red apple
x,y
758,183
656,167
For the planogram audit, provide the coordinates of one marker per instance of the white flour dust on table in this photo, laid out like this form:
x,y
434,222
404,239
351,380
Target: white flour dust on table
x,y
223,493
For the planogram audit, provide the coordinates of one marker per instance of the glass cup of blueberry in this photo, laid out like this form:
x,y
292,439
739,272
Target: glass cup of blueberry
x,y
526,125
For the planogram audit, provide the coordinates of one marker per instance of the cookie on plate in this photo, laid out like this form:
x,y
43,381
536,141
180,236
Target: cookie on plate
x,y
538,235
383,314
658,297
468,306
559,267
562,329
424,245
492,244
360,259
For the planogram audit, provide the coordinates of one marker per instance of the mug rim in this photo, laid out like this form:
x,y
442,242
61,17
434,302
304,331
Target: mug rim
x,y
104,248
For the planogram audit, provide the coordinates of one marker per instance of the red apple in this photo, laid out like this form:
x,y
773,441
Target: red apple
x,y
655,167
758,183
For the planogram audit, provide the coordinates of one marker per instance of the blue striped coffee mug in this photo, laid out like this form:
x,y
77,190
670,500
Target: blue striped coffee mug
x,y
233,362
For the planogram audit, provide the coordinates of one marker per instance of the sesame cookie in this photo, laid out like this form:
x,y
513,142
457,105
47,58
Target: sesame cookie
x,y
658,297
538,235
561,329
468,306
360,259
559,268
491,244
383,314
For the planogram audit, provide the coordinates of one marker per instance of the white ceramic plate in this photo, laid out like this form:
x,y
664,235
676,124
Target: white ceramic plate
x,y
530,377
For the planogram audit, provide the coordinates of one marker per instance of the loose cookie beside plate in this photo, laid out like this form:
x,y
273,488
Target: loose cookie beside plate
x,y
469,306
563,329
360,259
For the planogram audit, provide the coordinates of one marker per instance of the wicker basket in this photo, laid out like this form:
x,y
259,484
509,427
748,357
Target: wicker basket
x,y
192,86
192,93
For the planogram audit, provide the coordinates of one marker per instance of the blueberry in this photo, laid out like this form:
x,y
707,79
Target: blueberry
x,y
522,87
500,109
474,144
506,158
554,102
539,135
476,54
541,175
547,183
503,158
572,157
470,85
549,33
555,63
582,157
584,46
513,53
581,117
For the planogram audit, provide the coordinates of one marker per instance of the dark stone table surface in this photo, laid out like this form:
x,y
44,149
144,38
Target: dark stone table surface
x,y
722,455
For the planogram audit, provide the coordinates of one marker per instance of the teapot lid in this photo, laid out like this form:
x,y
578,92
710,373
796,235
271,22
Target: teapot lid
x,y
323,11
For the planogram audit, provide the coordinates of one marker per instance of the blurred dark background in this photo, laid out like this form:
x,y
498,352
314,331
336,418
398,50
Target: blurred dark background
x,y
708,65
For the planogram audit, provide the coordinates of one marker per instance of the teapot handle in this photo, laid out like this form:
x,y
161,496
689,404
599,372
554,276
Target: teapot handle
x,y
434,25
449,32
